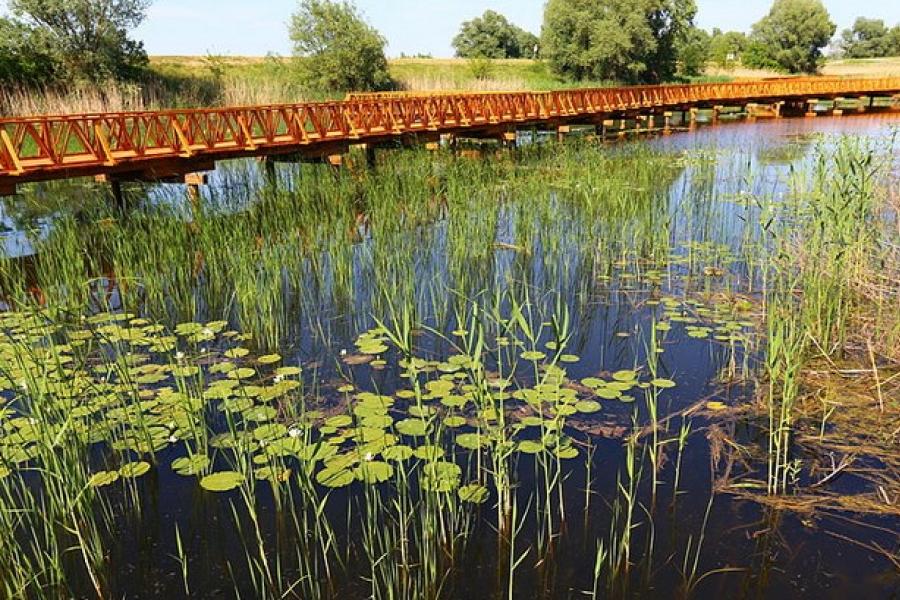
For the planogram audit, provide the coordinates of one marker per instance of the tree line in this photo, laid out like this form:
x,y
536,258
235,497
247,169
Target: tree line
x,y
46,42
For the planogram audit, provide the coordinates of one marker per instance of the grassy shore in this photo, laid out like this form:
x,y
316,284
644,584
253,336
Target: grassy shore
x,y
185,81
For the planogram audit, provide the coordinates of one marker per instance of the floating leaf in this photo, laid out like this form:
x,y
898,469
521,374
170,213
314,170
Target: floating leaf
x,y
412,427
440,476
474,493
587,406
625,375
103,479
335,477
397,453
533,355
269,359
662,383
373,471
190,465
223,481
134,470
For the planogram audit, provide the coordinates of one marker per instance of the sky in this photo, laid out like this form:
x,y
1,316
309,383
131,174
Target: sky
x,y
256,28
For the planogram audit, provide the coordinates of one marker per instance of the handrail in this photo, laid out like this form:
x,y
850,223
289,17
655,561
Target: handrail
x,y
56,146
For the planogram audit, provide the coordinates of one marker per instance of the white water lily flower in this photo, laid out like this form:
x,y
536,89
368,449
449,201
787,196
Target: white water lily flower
x,y
294,432
179,356
343,352
172,439
369,457
279,378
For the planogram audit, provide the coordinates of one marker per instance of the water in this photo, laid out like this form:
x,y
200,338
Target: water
x,y
679,249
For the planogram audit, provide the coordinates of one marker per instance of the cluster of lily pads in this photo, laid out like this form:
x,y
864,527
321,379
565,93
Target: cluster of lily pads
x,y
140,390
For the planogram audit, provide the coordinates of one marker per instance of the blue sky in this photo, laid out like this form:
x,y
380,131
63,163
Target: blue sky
x,y
242,27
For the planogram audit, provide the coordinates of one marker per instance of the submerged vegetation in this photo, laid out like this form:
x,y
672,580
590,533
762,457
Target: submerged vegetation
x,y
563,371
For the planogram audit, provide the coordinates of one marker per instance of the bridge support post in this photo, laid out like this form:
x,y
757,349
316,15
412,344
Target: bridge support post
x,y
811,107
271,174
667,128
693,118
562,131
509,139
623,127
651,121
716,111
119,202
605,126
193,181
371,158
777,109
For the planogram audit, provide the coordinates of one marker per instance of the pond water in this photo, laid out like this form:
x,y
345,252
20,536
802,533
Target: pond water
x,y
529,375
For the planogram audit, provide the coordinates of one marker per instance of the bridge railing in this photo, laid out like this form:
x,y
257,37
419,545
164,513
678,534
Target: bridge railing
x,y
38,147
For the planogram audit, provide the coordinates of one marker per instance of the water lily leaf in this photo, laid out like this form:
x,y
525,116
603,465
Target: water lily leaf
x,y
103,479
533,355
412,427
472,441
440,476
625,375
269,359
588,406
134,470
716,406
223,481
335,477
397,453
339,421
242,373
530,447
474,493
567,452
429,452
454,421
663,383
373,471
236,352
190,465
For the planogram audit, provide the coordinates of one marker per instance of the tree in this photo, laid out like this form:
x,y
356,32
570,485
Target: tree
x,y
693,52
493,36
725,49
791,37
869,38
625,40
339,50
21,59
86,39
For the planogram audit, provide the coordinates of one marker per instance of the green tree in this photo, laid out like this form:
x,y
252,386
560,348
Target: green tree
x,y
87,40
339,50
726,48
693,52
868,38
493,36
791,37
626,40
21,58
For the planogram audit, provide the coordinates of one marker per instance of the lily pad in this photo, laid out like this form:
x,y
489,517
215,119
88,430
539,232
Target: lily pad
x,y
223,481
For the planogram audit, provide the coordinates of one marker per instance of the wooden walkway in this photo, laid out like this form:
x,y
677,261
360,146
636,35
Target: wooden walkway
x,y
170,144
